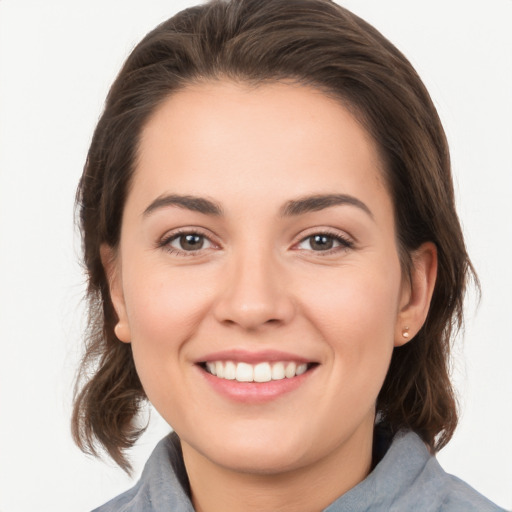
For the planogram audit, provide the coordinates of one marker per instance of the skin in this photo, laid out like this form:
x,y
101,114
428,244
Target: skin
x,y
259,284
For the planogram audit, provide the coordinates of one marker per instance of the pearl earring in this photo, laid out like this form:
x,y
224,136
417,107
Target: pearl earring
x,y
405,332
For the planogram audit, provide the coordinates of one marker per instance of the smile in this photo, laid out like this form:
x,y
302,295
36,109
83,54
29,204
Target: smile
x,y
260,372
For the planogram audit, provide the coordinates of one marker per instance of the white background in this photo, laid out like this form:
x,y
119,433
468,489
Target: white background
x,y
57,60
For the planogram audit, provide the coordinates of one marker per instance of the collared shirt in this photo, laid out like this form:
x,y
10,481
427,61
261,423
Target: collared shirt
x,y
408,478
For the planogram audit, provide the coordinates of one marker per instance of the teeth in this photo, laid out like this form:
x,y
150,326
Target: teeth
x,y
230,371
211,368
301,369
261,372
244,372
278,371
289,370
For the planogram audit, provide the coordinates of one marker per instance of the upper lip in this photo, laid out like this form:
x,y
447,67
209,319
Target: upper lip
x,y
244,356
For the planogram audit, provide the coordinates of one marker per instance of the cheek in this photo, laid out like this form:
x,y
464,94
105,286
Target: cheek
x,y
356,316
162,300
164,309
357,301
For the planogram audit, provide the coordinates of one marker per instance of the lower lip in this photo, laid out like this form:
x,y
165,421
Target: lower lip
x,y
255,392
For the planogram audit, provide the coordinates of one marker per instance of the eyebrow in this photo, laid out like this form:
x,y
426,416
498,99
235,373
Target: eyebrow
x,y
196,204
291,208
319,202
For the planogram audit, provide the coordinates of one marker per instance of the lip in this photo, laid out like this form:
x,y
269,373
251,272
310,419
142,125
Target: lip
x,y
245,356
254,392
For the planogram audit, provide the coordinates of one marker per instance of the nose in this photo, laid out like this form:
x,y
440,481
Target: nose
x,y
256,294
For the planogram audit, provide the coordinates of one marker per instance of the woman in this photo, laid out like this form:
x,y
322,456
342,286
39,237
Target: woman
x,y
275,262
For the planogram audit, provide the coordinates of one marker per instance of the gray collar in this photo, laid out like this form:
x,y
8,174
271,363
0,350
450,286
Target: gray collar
x,y
408,478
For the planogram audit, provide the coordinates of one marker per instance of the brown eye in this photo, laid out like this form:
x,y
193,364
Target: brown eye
x,y
322,242
189,242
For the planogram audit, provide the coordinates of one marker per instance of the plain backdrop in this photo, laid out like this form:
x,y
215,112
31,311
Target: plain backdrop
x,y
57,60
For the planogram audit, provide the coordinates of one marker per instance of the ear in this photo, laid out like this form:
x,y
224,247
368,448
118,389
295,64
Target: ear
x,y
417,293
111,265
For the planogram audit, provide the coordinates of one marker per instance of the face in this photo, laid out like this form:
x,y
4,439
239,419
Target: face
x,y
258,277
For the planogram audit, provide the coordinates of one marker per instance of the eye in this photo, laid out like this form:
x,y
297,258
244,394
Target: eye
x,y
187,242
323,242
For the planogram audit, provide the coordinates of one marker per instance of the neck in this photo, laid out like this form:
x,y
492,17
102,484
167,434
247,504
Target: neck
x,y
304,489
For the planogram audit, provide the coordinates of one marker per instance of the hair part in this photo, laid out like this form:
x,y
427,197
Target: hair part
x,y
318,44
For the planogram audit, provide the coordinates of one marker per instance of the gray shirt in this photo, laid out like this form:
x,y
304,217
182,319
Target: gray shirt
x,y
407,479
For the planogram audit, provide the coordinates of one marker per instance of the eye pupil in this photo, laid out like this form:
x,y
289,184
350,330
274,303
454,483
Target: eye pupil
x,y
191,242
321,242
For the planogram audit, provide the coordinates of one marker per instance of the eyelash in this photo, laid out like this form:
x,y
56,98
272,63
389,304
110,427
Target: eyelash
x,y
164,243
344,243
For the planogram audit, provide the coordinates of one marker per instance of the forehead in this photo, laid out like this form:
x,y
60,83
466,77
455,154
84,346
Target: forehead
x,y
244,143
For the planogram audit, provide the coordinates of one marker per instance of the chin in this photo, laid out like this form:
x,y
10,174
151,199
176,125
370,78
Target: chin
x,y
257,451
265,461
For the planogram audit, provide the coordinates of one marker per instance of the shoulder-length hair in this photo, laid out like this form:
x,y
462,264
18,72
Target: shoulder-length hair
x,y
322,45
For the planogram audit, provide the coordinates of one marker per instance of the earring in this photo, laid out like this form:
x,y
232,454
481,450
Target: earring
x,y
405,332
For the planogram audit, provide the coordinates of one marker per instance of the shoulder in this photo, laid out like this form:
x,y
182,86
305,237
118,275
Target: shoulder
x,y
121,503
432,488
407,479
458,495
163,485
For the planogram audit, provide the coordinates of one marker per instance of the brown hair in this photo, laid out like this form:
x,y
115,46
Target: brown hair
x,y
313,42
